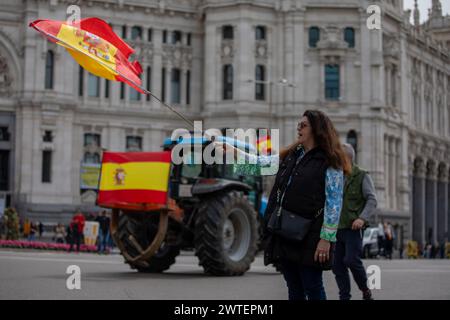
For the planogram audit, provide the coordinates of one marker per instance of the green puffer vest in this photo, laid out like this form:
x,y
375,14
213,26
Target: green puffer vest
x,y
354,202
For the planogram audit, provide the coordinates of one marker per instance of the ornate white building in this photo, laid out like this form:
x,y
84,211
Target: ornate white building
x,y
221,61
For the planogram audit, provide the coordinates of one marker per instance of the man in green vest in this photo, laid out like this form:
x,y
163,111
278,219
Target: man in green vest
x,y
358,206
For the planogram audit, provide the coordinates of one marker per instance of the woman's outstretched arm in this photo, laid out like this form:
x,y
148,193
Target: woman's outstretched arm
x,y
334,190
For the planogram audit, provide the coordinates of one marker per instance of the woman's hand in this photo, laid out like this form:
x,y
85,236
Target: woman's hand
x,y
323,251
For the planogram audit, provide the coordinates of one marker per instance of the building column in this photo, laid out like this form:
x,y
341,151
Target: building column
x,y
183,83
387,77
212,65
386,172
418,218
422,100
392,174
431,202
156,65
143,100
442,203
448,208
168,83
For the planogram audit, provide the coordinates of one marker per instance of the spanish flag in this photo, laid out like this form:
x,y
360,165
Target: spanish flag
x,y
264,145
134,179
95,46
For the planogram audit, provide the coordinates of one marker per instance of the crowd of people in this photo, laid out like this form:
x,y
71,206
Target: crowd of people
x,y
75,233
12,227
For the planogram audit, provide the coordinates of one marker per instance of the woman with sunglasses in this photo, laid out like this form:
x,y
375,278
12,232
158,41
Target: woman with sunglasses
x,y
309,183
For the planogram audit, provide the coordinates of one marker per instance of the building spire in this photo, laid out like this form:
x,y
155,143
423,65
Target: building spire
x,y
416,14
436,9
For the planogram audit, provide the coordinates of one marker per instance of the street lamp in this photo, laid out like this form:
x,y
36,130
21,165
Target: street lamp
x,y
281,82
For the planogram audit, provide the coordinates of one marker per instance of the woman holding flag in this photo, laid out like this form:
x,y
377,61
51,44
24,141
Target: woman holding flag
x,y
309,183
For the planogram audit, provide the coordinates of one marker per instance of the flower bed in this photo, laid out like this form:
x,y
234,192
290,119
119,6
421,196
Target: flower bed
x,y
19,244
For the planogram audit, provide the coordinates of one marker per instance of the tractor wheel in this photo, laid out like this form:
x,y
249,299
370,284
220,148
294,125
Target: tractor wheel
x,y
143,227
226,235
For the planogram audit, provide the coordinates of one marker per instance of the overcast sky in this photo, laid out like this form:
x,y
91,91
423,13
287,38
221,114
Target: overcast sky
x,y
424,5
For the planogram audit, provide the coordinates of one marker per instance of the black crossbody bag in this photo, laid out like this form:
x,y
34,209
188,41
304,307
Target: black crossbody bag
x,y
289,225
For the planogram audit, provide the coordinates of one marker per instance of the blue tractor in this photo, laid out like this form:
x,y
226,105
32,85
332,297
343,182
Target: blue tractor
x,y
216,212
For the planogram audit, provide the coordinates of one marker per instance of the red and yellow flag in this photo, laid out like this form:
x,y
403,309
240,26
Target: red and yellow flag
x,y
264,145
134,179
95,46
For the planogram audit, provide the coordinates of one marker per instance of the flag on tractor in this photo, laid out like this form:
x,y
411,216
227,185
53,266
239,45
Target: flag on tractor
x,y
264,145
95,46
134,179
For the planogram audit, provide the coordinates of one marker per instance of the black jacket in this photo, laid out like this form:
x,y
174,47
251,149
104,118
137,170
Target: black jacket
x,y
305,196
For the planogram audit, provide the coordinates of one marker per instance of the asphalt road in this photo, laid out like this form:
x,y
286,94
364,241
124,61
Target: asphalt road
x,y
42,275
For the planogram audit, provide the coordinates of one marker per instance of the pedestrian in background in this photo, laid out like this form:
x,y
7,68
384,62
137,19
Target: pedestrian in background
x,y
389,239
40,229
26,228
77,226
60,233
103,233
358,207
33,231
380,239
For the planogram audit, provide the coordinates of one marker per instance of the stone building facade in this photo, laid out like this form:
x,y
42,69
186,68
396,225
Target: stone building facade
x,y
238,64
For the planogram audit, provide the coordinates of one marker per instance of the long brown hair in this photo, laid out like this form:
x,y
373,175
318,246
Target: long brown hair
x,y
326,138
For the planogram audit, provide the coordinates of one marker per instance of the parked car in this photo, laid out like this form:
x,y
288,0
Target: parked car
x,y
370,243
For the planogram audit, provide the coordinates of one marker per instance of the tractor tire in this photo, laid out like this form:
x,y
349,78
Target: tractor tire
x,y
143,227
226,235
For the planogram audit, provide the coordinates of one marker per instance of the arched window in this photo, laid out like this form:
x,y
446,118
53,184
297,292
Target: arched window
x,y
49,66
260,33
332,80
349,36
136,33
260,84
228,82
314,36
352,139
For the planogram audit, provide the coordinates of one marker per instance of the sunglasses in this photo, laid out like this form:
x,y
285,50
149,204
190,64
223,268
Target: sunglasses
x,y
302,125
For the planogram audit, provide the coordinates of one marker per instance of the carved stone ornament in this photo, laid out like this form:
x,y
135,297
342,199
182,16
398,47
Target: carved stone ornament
x,y
332,39
5,77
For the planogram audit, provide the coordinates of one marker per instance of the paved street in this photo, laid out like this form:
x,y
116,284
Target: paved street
x,y
41,275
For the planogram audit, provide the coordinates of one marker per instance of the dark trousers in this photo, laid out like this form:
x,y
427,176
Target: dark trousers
x,y
388,247
75,239
304,283
348,256
102,241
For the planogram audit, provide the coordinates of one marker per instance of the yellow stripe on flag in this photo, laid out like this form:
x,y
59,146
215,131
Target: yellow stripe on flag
x,y
88,50
135,176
